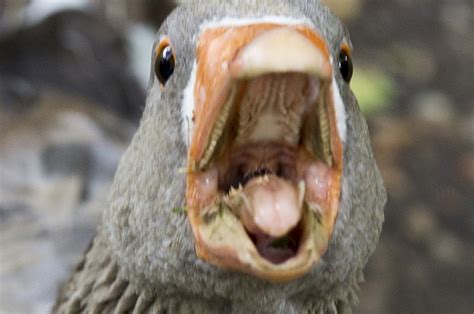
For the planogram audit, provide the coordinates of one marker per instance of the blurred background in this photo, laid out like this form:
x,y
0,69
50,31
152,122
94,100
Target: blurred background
x,y
73,75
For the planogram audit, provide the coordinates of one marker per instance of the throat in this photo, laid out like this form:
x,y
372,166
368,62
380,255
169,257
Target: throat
x,y
256,160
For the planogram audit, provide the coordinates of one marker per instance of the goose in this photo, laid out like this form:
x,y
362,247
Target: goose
x,y
250,185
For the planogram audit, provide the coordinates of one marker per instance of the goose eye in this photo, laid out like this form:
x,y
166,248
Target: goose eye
x,y
165,63
345,65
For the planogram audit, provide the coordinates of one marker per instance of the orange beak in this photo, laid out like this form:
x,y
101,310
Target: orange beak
x,y
289,188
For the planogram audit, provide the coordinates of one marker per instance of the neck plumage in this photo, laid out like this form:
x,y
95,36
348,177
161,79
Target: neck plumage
x,y
98,286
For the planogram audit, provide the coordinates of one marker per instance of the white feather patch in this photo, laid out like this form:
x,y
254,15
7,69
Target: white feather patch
x,y
188,107
340,111
235,22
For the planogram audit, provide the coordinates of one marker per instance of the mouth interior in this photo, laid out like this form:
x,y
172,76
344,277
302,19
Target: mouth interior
x,y
270,148
278,250
263,161
252,161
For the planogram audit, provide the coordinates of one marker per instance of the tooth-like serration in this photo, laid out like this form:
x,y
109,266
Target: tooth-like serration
x,y
316,209
217,131
317,133
325,133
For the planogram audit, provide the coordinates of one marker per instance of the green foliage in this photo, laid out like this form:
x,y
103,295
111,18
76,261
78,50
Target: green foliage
x,y
180,210
374,89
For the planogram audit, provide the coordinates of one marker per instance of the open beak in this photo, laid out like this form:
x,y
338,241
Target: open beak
x,y
265,158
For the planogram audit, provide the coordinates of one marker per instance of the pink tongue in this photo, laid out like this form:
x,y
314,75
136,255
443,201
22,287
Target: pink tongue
x,y
272,206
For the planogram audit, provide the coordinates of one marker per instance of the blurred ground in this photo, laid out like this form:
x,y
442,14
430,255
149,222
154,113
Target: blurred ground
x,y
71,92
424,143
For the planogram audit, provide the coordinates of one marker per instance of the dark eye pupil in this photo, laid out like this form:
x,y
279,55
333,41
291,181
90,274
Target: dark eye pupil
x,y
345,66
165,63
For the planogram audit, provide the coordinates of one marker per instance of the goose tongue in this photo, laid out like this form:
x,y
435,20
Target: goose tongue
x,y
271,206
